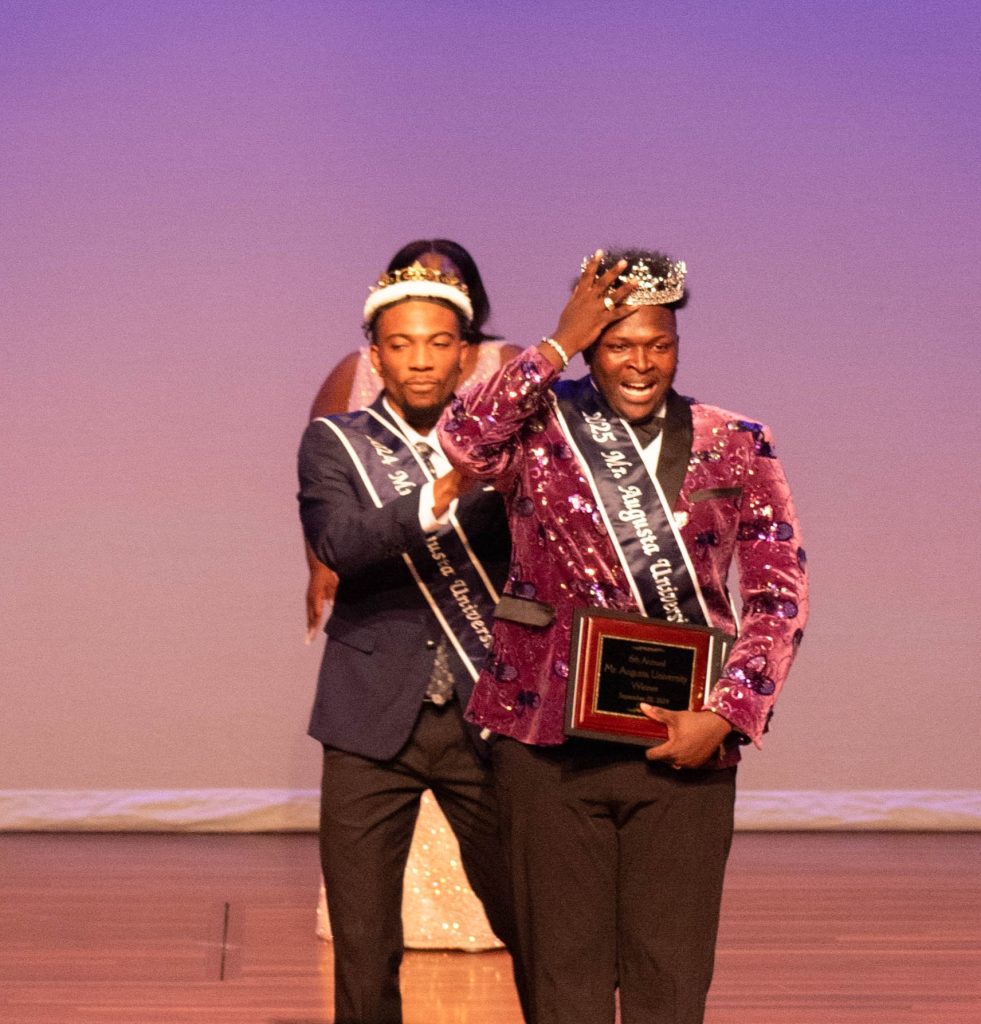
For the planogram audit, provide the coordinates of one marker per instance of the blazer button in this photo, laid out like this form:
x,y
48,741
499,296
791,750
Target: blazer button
x,y
430,644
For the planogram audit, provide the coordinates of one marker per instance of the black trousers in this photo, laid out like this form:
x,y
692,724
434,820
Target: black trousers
x,y
617,867
368,811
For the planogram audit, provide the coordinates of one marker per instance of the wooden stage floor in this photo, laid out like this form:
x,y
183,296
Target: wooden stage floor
x,y
818,928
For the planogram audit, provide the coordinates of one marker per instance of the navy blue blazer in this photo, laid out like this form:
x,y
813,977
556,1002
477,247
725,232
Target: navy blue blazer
x,y
381,634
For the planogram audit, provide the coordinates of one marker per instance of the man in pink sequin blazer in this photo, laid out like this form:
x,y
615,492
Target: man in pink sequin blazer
x,y
617,858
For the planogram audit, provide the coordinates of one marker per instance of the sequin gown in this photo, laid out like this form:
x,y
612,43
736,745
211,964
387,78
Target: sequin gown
x,y
439,909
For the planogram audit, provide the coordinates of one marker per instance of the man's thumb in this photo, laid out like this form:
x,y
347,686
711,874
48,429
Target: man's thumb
x,y
661,715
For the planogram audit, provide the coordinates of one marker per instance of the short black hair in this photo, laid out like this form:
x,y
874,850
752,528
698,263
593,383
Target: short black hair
x,y
463,327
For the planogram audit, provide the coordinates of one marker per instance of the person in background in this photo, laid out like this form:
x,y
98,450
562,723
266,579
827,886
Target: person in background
x,y
440,910
420,552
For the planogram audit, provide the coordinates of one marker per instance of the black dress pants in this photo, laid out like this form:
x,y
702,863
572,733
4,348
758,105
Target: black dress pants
x,y
617,866
368,813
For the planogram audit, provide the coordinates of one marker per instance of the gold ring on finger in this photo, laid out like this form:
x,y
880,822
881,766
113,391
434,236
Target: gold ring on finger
x,y
608,302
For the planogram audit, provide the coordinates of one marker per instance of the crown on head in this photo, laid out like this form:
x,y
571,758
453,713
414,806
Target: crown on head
x,y
417,282
657,284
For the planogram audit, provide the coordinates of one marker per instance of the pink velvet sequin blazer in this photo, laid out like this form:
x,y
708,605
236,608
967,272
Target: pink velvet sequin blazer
x,y
729,498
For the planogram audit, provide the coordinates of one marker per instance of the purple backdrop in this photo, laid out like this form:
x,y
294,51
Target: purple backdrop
x,y
195,196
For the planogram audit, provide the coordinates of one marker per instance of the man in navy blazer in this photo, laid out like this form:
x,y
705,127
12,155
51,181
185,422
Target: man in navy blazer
x,y
420,553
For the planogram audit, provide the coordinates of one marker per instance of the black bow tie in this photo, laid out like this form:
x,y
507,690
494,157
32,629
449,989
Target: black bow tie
x,y
648,429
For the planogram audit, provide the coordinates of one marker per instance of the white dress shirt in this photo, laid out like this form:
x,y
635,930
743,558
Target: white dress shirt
x,y
441,466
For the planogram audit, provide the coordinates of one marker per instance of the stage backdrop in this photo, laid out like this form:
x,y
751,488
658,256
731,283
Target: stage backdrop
x,y
194,199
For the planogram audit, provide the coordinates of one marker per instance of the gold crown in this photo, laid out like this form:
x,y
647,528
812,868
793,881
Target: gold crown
x,y
417,272
417,282
653,289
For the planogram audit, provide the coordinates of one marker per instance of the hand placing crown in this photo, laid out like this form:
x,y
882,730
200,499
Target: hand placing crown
x,y
658,283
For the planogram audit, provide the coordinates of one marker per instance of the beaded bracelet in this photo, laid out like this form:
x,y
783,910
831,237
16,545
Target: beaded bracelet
x,y
559,350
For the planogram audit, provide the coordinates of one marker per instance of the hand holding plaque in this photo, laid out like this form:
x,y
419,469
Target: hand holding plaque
x,y
694,737
620,661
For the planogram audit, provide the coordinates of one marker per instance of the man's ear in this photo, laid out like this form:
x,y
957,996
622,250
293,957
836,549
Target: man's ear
x,y
375,356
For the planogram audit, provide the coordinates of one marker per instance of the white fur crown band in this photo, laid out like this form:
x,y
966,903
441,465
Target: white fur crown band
x,y
417,282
